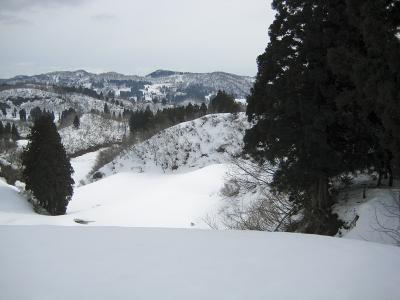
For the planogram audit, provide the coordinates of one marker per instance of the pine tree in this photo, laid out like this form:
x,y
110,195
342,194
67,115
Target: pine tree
x,y
7,129
223,103
47,169
35,113
203,109
22,115
106,109
14,132
76,122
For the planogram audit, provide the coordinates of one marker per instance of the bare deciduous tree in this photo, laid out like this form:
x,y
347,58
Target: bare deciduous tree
x,y
250,203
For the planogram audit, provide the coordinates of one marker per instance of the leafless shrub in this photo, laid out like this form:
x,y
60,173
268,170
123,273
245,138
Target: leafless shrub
x,y
106,156
250,203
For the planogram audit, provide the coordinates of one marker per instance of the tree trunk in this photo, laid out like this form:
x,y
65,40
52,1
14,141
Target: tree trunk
x,y
379,178
390,176
320,194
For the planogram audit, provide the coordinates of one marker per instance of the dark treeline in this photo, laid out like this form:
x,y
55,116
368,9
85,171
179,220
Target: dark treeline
x,y
8,131
35,113
326,100
148,122
79,90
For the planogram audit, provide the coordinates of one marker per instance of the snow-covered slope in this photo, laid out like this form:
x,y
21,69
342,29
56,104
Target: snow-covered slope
x,y
28,98
44,262
187,146
129,199
375,218
94,131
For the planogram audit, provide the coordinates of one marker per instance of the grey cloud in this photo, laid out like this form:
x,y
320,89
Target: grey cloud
x,y
104,17
8,19
20,5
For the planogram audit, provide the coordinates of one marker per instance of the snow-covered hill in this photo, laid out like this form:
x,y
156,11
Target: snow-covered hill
x,y
45,262
28,98
187,146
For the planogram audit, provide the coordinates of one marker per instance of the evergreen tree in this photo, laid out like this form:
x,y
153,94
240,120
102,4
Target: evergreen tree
x,y
106,109
299,126
326,99
1,129
7,129
14,132
35,113
377,71
203,109
22,115
223,103
190,111
76,122
47,169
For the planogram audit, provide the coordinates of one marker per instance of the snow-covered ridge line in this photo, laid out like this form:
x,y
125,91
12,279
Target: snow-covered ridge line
x,y
233,84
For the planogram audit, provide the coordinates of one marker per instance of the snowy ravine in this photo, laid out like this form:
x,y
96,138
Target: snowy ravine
x,y
63,263
212,139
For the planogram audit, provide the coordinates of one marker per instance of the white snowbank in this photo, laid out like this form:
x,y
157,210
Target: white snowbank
x,y
44,262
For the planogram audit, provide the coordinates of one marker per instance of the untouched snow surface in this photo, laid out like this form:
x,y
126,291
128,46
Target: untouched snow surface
x,y
45,262
180,200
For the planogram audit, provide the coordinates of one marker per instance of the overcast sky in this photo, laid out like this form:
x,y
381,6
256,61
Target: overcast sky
x,y
132,36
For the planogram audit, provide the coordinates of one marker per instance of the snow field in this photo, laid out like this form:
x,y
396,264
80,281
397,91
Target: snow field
x,y
46,262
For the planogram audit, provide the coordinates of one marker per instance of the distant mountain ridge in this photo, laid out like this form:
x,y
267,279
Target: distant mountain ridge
x,y
173,81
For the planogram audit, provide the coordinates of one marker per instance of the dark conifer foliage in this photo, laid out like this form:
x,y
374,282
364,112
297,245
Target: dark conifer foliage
x,y
376,72
106,109
76,122
149,123
326,97
14,132
7,130
47,169
22,115
223,103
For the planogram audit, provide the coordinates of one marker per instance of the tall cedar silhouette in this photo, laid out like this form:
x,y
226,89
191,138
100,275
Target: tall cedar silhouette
x,y
326,101
47,169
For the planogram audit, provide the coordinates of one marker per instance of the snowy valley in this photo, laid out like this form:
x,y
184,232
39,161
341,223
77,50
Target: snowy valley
x,y
149,213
